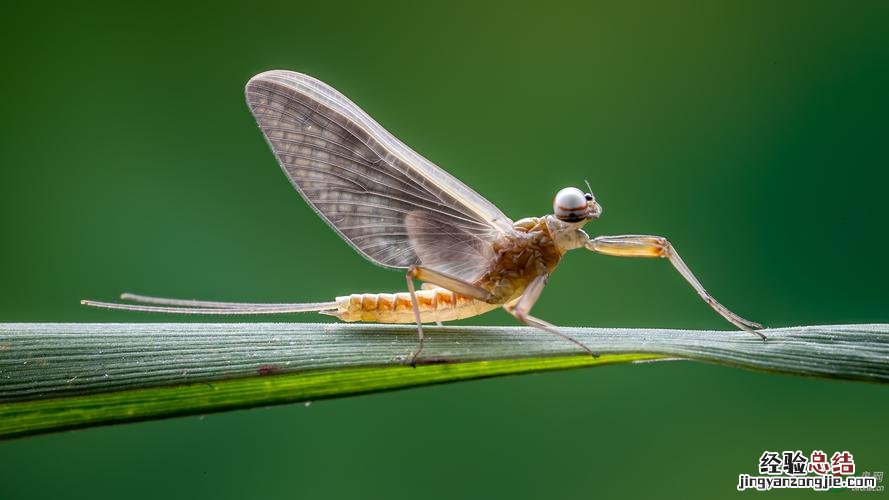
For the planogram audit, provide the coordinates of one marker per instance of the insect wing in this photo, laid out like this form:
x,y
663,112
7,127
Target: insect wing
x,y
392,205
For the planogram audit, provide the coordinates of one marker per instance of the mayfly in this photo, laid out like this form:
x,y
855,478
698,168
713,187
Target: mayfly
x,y
402,212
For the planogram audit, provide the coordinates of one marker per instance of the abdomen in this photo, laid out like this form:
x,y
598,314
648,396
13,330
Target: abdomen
x,y
435,304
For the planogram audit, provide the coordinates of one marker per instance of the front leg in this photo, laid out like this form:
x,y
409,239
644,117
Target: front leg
x,y
521,307
632,245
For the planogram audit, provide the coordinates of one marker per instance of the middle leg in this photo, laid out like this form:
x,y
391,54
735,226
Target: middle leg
x,y
521,308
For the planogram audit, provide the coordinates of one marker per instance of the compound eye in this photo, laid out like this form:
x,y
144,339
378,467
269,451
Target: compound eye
x,y
588,196
570,204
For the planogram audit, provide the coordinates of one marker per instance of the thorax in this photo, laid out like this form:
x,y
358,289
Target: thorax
x,y
520,257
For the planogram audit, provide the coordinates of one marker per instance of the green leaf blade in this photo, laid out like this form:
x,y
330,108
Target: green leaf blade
x,y
65,376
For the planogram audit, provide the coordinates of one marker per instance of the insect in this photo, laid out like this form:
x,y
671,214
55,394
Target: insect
x,y
402,212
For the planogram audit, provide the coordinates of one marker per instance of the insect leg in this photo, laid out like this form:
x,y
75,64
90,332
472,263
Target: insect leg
x,y
430,276
521,308
632,245
409,277
450,283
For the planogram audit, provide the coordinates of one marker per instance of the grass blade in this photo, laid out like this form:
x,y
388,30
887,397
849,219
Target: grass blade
x,y
64,376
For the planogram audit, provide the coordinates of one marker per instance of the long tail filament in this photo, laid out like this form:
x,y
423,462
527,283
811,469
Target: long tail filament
x,y
206,307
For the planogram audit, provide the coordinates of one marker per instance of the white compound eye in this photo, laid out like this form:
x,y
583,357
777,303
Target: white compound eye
x,y
570,205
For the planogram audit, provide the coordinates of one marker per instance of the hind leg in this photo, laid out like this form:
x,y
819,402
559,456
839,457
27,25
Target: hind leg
x,y
444,281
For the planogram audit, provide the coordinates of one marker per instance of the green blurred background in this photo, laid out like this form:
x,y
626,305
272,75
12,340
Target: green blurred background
x,y
752,134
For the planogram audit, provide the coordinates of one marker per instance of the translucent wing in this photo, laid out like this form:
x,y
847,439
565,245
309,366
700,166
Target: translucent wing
x,y
392,205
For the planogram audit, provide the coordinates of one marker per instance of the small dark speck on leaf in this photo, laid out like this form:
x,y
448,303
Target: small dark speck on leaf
x,y
267,369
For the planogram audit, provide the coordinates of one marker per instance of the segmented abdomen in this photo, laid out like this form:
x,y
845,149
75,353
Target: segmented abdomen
x,y
436,304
